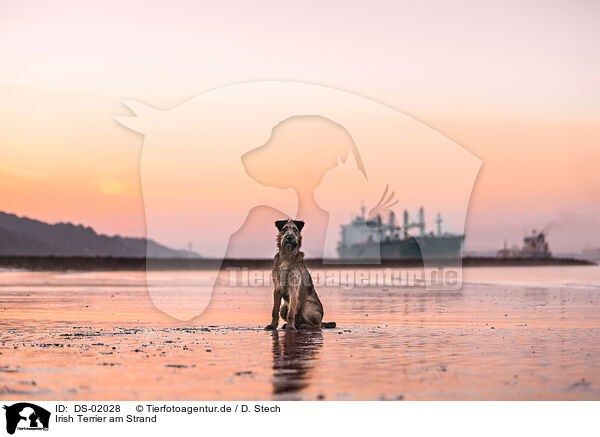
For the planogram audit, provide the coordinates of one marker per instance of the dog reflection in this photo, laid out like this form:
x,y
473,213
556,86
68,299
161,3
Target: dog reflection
x,y
294,355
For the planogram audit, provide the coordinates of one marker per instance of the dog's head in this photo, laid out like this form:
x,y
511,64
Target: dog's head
x,y
289,239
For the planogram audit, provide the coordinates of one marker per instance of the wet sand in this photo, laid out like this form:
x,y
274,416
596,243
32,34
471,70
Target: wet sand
x,y
509,334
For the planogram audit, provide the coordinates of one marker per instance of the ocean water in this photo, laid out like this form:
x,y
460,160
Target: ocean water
x,y
508,334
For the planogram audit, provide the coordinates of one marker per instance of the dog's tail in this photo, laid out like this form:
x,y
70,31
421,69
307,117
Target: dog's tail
x,y
328,325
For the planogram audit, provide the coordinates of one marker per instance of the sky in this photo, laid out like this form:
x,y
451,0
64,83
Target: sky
x,y
514,83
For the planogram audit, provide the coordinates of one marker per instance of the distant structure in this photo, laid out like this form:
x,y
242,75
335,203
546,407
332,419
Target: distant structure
x,y
591,253
364,239
534,246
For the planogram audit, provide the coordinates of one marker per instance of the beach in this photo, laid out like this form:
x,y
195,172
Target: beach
x,y
510,333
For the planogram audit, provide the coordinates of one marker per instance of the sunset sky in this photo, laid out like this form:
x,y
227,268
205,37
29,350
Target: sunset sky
x,y
515,83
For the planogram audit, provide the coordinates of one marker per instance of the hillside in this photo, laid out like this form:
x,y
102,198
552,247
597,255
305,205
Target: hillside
x,y
24,236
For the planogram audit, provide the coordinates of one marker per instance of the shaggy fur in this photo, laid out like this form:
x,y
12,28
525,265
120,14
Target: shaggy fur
x,y
302,308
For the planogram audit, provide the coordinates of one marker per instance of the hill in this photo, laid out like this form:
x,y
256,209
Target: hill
x,y
26,237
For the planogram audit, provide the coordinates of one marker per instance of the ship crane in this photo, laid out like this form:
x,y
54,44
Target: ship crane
x,y
420,223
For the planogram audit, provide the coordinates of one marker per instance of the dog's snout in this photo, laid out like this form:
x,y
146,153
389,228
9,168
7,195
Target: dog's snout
x,y
289,237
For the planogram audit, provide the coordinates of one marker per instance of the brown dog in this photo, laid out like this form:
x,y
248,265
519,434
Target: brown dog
x,y
302,308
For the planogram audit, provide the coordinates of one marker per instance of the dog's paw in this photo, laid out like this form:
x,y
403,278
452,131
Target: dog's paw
x,y
270,327
290,327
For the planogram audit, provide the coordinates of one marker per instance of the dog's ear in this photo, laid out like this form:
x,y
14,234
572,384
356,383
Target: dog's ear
x,y
299,224
280,224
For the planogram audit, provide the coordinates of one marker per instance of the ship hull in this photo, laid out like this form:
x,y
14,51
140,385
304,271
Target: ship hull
x,y
444,247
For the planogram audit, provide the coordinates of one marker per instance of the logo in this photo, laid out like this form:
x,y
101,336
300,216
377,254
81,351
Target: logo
x,y
26,416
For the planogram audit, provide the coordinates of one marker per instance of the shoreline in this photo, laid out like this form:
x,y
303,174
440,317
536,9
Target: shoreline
x,y
81,263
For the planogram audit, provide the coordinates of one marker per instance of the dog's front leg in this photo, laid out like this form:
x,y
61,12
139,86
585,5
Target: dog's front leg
x,y
293,309
294,293
275,312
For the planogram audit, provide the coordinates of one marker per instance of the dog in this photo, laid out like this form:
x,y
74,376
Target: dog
x,y
302,308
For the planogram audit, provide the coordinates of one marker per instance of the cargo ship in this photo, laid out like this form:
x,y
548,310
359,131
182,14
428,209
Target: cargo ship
x,y
364,240
534,246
